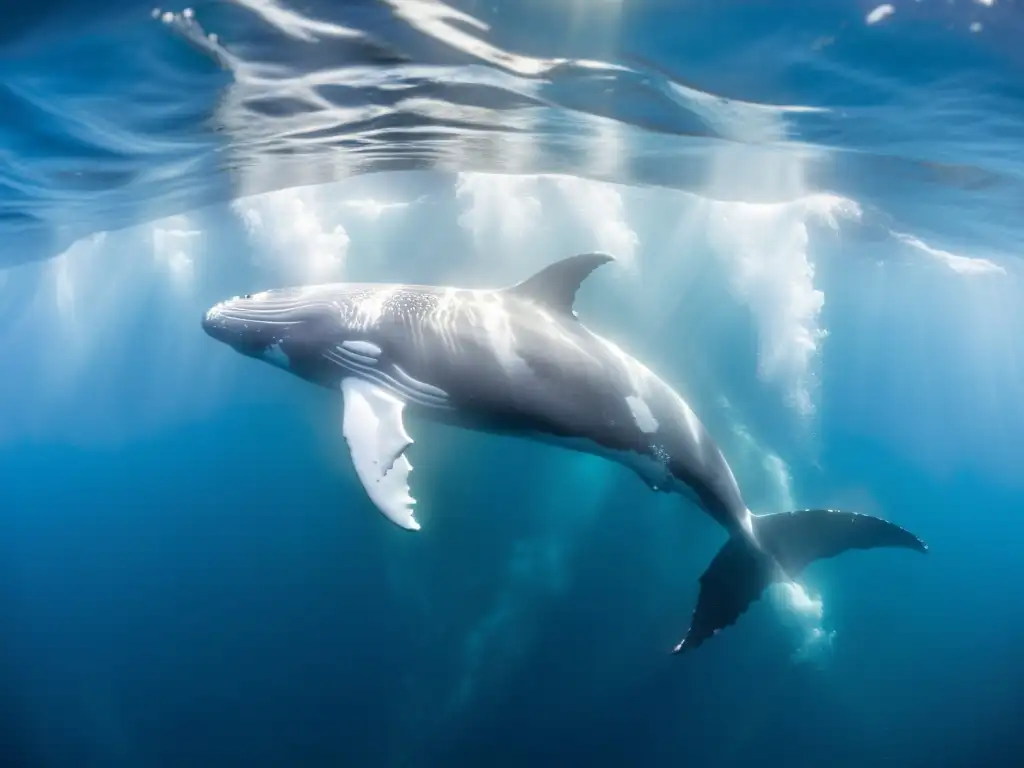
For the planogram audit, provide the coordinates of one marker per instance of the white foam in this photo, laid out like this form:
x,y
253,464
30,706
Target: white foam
x,y
879,13
766,248
174,244
963,265
505,212
762,467
752,457
599,208
501,210
298,230
805,614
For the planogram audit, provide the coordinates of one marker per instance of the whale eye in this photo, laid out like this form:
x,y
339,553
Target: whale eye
x,y
247,296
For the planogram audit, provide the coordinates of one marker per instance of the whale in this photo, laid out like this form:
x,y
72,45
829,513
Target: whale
x,y
517,360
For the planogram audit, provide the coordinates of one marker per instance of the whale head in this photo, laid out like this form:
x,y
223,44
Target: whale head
x,y
290,328
327,334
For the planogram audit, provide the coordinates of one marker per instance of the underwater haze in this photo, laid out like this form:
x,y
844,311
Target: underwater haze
x,y
816,212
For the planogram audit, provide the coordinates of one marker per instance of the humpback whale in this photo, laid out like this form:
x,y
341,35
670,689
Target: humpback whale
x,y
517,360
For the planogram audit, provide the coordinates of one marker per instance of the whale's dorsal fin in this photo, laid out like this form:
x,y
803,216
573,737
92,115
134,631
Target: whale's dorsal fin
x,y
555,286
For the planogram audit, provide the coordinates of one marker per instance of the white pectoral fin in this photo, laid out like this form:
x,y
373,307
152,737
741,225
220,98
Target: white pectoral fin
x,y
377,440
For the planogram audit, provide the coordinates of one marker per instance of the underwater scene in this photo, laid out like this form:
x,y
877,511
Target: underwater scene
x,y
444,383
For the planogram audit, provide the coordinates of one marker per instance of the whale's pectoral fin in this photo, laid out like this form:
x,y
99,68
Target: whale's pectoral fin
x,y
377,440
555,286
783,545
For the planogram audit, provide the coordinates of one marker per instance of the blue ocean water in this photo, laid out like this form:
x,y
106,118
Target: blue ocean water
x,y
816,212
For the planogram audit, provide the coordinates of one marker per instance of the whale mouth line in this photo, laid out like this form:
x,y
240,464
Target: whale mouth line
x,y
249,320
246,333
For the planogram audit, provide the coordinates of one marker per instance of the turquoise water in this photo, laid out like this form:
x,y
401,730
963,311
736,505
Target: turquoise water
x,y
817,225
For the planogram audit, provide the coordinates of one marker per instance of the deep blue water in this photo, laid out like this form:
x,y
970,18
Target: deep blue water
x,y
818,223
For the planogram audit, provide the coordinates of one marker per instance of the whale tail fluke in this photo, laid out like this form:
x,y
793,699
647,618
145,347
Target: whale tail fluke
x,y
781,546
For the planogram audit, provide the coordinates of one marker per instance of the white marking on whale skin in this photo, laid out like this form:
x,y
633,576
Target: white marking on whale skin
x,y
363,348
641,379
361,352
421,387
276,356
401,384
642,414
355,357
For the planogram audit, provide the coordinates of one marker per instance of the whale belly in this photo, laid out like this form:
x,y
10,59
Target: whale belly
x,y
652,468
